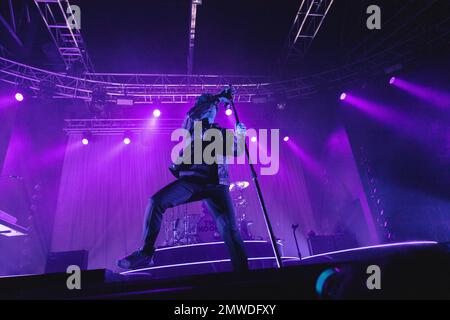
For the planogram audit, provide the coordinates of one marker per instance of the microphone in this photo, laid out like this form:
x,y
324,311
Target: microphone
x,y
228,94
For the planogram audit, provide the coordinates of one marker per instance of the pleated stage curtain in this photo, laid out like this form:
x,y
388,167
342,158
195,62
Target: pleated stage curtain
x,y
105,186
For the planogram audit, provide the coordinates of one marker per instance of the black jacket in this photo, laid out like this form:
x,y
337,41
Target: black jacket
x,y
216,173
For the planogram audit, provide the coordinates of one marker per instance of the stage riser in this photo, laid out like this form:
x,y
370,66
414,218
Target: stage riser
x,y
203,268
208,252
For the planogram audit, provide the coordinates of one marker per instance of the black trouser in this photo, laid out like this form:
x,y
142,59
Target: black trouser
x,y
217,199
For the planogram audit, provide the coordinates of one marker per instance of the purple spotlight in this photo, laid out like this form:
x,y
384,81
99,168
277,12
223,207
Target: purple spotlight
x,y
18,96
126,140
343,96
84,141
229,112
392,80
156,113
286,139
253,139
438,97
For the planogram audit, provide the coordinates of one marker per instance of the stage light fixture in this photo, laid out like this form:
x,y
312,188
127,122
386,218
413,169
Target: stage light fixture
x,y
98,102
281,105
392,80
127,137
19,97
228,112
286,139
86,137
253,139
124,101
156,113
343,96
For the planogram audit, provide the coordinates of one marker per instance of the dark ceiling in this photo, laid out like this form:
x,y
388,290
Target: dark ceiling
x,y
233,37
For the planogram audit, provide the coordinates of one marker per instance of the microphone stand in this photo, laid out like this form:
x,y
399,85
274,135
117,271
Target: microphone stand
x,y
294,227
260,197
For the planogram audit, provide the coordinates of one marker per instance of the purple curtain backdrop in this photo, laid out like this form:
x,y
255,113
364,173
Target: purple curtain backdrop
x,y
106,184
105,187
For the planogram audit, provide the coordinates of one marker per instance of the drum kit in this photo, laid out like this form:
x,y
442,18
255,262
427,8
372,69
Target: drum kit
x,y
200,227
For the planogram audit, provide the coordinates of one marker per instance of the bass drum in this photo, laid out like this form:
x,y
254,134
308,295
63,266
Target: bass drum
x,y
207,230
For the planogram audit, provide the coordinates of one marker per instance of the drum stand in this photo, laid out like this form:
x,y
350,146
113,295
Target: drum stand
x,y
190,234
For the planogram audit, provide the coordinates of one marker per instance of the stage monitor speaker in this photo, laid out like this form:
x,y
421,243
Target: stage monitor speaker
x,y
318,244
59,261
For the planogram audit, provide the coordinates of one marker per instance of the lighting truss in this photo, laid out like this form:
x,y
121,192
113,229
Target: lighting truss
x,y
68,39
142,88
173,88
190,61
307,22
119,126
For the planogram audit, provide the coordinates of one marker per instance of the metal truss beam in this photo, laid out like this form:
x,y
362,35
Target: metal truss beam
x,y
307,22
67,38
142,88
119,126
160,88
193,20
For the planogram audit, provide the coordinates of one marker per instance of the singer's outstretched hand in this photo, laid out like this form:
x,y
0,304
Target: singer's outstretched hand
x,y
240,128
227,94
225,100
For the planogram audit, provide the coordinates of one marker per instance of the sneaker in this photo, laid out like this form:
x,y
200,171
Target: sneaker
x,y
138,259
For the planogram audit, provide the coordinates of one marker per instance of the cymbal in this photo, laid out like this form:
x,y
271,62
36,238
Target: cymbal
x,y
239,185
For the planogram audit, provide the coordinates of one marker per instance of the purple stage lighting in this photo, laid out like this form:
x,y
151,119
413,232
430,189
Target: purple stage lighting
x,y
343,96
385,114
156,113
18,96
286,139
126,140
392,80
438,97
229,112
84,141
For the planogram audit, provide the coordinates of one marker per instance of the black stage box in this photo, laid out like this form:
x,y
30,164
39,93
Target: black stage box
x,y
59,261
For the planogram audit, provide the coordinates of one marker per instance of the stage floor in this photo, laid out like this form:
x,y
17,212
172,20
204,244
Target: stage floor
x,y
344,275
